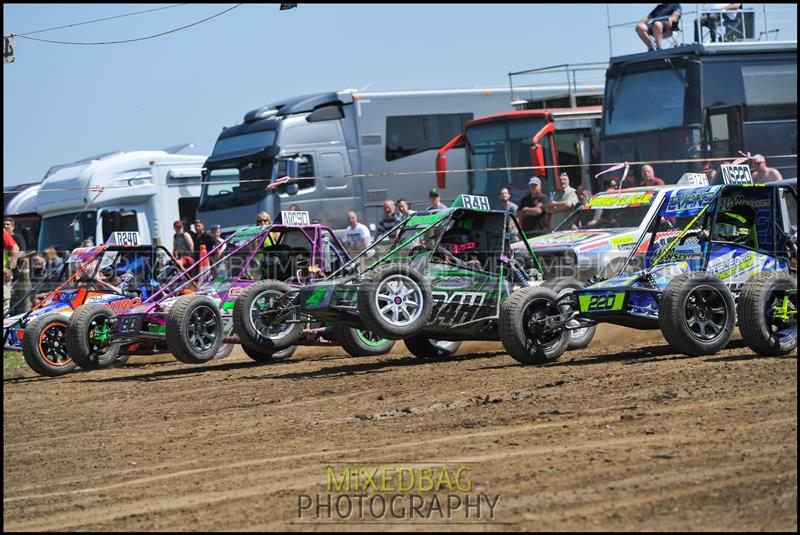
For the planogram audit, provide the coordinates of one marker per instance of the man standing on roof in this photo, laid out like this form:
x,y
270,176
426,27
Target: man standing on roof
x,y
436,201
649,177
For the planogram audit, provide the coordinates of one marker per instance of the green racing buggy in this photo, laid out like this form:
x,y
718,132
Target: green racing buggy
x,y
436,279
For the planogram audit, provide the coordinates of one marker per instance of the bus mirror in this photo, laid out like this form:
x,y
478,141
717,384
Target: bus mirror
x,y
537,160
292,188
441,170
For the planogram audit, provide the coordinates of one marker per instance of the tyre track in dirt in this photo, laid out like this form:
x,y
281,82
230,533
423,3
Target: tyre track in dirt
x,y
625,436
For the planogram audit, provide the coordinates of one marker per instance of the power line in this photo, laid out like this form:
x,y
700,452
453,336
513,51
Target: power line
x,y
101,20
131,40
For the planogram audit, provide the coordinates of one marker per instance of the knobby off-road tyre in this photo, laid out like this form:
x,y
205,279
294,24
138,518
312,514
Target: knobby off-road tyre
x,y
517,311
194,329
696,314
44,345
265,357
426,348
249,327
87,337
761,331
394,301
361,343
578,338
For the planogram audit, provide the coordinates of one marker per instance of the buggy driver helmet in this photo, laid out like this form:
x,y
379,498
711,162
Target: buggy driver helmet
x,y
734,225
458,242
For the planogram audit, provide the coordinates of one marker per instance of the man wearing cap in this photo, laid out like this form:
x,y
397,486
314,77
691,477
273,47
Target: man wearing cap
x,y
436,201
565,200
761,173
532,211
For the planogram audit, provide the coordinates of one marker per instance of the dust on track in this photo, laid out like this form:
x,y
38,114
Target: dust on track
x,y
624,435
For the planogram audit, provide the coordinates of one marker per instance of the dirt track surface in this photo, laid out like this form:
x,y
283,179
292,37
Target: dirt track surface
x,y
623,435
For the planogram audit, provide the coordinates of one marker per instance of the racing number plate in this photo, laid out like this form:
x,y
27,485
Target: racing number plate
x,y
129,325
608,302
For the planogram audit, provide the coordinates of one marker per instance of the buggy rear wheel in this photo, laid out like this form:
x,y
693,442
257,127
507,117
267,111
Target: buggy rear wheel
x,y
360,342
249,325
767,313
194,329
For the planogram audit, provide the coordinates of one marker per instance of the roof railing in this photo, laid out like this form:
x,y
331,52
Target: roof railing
x,y
581,88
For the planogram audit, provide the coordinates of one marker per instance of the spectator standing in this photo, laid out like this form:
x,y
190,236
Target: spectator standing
x,y
649,177
216,236
532,209
356,235
10,253
507,206
87,243
613,185
53,263
187,227
761,173
263,219
436,201
709,171
10,226
564,201
390,218
182,244
203,238
403,209
659,23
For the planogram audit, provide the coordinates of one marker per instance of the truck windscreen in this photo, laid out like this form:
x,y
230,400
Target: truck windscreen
x,y
65,232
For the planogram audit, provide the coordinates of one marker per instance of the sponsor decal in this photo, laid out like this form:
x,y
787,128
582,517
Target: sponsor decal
x,y
623,242
688,201
124,304
621,200
726,203
569,237
456,307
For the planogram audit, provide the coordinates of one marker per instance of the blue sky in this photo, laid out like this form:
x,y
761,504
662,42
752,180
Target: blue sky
x,y
62,103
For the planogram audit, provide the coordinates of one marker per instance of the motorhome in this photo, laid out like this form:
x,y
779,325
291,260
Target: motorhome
x,y
143,191
20,204
351,151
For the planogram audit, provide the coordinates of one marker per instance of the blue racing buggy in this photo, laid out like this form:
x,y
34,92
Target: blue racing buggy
x,y
705,248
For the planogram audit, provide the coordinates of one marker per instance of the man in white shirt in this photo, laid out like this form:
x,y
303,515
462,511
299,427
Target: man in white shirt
x,y
356,235
564,201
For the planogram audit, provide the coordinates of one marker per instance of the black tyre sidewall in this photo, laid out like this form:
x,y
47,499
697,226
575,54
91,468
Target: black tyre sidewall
x,y
348,338
672,314
512,331
177,330
752,313
78,344
266,357
30,346
243,325
425,348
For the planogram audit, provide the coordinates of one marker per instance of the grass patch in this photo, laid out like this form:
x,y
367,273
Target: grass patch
x,y
13,360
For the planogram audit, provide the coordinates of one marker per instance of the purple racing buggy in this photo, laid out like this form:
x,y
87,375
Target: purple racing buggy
x,y
195,325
